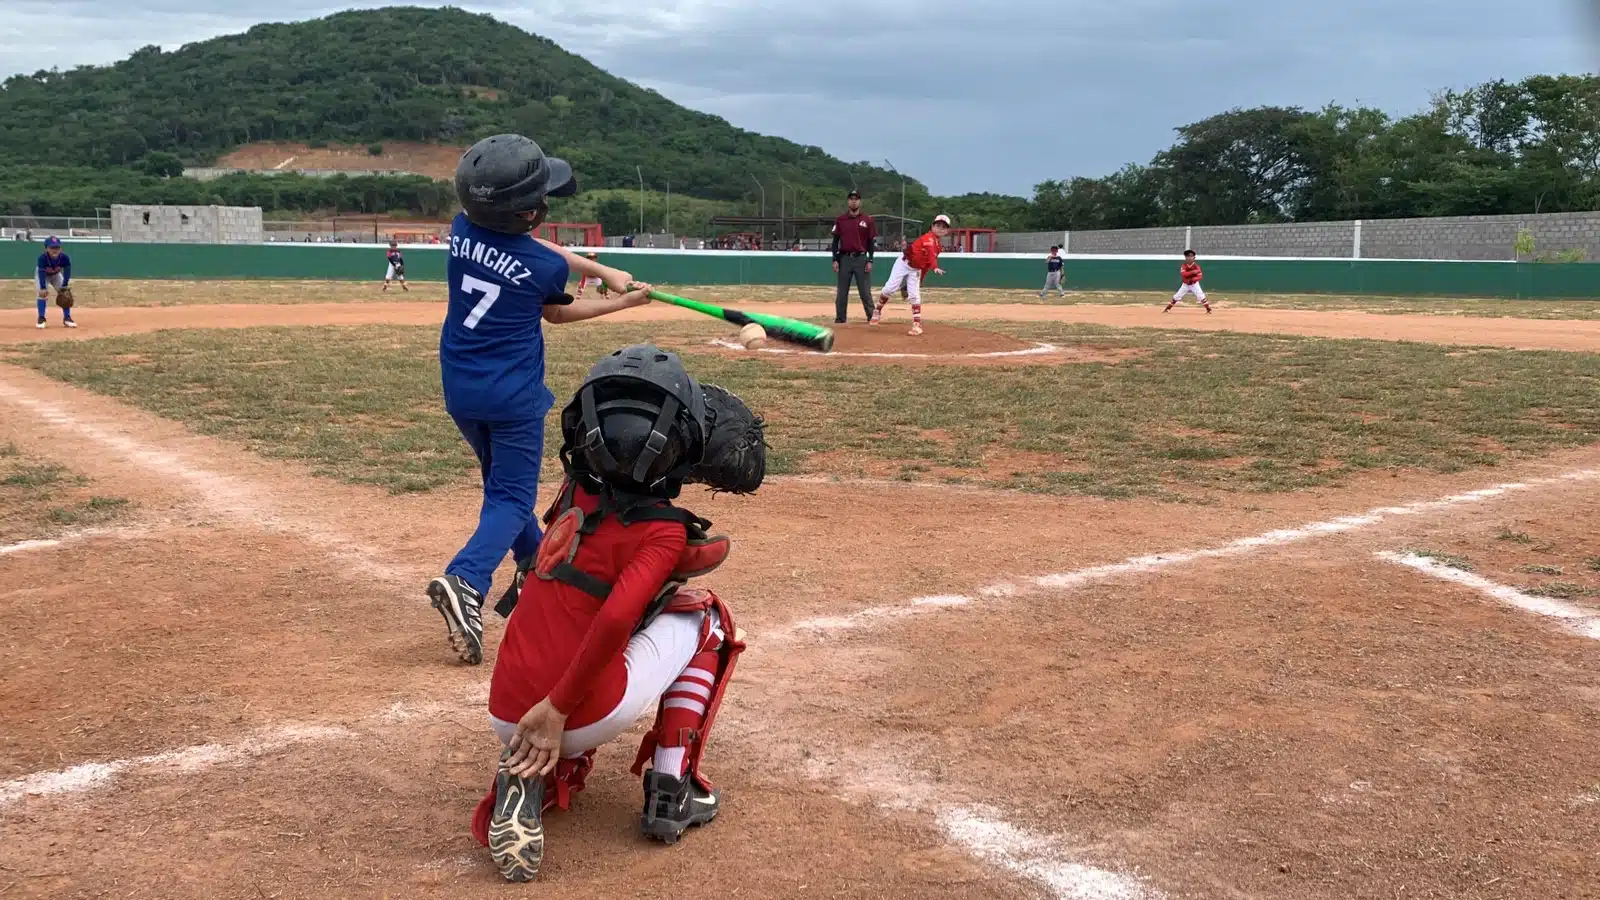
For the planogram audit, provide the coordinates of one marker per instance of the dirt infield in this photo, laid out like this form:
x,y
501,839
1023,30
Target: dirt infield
x,y
1521,334
950,692
945,345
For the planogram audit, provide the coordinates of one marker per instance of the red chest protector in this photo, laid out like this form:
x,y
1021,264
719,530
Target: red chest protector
x,y
566,524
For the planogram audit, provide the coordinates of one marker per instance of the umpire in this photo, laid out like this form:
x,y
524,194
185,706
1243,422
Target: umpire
x,y
855,239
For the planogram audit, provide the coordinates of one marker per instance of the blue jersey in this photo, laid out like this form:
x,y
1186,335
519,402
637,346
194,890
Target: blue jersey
x,y
61,265
1053,263
491,349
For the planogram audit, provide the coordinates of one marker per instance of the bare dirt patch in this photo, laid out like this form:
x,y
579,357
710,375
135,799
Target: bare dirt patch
x,y
433,160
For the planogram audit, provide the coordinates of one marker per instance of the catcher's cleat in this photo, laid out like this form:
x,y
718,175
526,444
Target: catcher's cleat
x,y
516,834
673,806
462,608
41,322
508,600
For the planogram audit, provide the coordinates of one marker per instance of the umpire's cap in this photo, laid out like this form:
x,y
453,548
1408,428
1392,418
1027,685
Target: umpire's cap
x,y
502,176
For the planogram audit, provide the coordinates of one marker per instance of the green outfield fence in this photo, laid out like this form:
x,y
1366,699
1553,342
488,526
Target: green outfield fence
x,y
1389,278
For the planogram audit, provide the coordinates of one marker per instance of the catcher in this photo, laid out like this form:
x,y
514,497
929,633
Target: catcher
x,y
54,270
605,628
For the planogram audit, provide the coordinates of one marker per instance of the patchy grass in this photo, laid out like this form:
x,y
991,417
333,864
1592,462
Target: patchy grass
x,y
1192,415
1504,533
38,499
1537,569
94,511
1592,564
1559,590
1449,560
34,476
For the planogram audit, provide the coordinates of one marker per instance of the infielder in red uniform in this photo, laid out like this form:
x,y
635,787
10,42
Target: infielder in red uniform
x,y
1190,273
918,260
606,630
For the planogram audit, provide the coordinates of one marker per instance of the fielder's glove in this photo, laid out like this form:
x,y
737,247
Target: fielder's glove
x,y
64,298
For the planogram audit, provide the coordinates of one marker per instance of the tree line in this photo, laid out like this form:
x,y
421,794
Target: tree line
x,y
1498,148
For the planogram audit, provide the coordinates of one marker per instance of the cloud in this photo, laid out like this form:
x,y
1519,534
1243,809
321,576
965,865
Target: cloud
x,y
963,94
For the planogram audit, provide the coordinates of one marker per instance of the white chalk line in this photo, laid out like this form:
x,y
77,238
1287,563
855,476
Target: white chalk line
x,y
225,494
1575,619
872,616
73,537
187,760
887,782
87,777
1038,349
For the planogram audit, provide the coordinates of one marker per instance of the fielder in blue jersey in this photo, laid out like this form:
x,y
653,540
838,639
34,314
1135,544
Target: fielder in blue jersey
x,y
503,285
53,270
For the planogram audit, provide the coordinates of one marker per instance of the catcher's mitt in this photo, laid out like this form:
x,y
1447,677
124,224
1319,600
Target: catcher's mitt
x,y
736,445
64,298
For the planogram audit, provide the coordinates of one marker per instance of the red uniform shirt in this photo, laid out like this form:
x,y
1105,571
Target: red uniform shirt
x,y
923,254
855,234
567,645
1190,272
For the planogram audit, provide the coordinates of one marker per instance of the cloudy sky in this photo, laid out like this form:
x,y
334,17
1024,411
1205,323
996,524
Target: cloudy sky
x,y
967,95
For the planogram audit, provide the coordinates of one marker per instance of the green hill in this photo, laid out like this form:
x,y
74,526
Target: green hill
x,y
399,73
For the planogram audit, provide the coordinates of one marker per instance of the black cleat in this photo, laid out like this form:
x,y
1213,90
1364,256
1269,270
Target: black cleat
x,y
673,806
508,600
516,833
462,608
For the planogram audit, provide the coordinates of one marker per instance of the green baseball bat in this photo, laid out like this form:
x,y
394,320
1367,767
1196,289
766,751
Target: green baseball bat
x,y
792,331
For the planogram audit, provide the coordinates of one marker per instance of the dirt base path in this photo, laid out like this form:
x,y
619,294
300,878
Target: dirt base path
x,y
1521,334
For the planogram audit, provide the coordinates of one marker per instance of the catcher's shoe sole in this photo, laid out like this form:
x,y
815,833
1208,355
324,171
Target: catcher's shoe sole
x,y
462,618
516,834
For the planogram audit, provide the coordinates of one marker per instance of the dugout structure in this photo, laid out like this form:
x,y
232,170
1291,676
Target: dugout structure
x,y
970,240
580,234
187,225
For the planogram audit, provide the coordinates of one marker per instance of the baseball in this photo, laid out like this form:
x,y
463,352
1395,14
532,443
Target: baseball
x,y
753,336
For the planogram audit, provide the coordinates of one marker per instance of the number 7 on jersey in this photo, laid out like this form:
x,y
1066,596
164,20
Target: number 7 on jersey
x,y
490,292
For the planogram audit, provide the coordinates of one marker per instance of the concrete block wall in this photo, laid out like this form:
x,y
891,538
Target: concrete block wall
x,y
187,224
1027,241
1335,239
1479,237
1130,240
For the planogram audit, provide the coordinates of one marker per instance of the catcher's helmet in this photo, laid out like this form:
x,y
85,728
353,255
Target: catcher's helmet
x,y
637,424
501,176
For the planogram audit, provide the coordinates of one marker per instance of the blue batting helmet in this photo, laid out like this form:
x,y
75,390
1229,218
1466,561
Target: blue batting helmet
x,y
52,241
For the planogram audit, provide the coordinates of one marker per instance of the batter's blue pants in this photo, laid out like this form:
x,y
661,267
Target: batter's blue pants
x,y
509,454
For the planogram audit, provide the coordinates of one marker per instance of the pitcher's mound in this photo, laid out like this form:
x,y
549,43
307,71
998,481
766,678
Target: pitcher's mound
x,y
937,345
